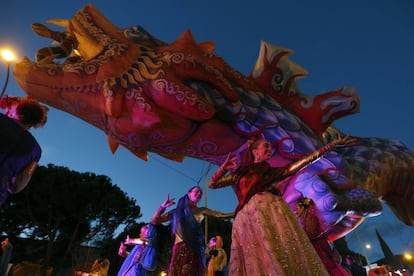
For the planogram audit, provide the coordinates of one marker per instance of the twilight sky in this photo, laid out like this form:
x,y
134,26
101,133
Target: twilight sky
x,y
352,43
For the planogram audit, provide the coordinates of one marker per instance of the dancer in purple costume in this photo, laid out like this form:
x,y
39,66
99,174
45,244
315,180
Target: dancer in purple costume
x,y
19,150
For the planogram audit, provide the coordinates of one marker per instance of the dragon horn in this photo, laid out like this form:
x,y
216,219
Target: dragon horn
x,y
113,144
59,22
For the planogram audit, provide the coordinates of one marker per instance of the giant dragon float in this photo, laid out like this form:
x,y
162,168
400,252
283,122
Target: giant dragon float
x,y
181,100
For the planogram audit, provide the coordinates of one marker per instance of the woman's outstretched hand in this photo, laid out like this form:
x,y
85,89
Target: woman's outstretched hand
x,y
122,250
168,202
128,240
230,163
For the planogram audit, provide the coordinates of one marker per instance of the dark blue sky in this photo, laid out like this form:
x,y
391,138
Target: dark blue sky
x,y
352,43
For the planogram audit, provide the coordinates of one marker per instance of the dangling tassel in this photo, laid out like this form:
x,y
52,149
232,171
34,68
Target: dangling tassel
x,y
310,220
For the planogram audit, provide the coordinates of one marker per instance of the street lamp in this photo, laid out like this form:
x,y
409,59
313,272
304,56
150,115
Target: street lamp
x,y
363,249
408,256
8,56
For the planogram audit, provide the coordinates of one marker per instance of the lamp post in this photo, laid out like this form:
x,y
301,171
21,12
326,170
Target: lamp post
x,y
363,249
8,56
367,247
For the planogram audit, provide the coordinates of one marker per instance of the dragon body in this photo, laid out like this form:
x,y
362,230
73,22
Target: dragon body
x,y
180,99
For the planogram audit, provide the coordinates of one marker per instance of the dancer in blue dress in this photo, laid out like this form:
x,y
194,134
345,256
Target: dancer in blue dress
x,y
141,258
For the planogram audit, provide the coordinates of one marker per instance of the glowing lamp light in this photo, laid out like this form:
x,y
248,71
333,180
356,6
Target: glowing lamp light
x,y
408,256
7,55
368,246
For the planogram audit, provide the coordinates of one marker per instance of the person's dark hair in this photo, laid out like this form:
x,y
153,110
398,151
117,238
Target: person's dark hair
x,y
198,187
29,110
32,113
252,144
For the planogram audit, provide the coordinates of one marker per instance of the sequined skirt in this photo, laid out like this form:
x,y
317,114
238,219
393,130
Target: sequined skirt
x,y
268,240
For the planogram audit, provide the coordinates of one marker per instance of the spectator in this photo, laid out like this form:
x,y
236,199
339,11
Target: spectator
x,y
7,249
354,267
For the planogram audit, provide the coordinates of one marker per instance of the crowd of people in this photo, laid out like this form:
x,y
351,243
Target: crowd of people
x,y
267,238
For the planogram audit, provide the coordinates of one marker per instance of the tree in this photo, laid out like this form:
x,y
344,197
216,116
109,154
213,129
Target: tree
x,y
64,209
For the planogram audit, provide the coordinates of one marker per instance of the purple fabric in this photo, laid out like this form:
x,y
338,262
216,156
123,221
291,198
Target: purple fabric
x,y
18,148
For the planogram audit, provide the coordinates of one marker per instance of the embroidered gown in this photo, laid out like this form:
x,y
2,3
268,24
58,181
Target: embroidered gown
x,y
267,239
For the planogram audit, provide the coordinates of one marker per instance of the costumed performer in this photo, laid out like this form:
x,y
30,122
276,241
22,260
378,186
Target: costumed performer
x,y
19,150
216,257
267,238
188,253
141,258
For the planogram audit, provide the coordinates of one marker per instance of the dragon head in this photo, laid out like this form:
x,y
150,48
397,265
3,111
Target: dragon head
x,y
173,99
